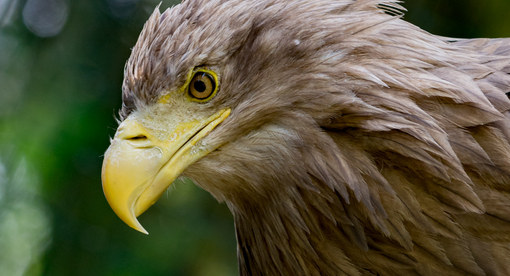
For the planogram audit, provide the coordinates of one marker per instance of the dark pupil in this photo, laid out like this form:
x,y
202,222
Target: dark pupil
x,y
199,86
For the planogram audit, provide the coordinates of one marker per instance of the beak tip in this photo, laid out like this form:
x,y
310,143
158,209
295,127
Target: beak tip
x,y
141,229
132,222
135,224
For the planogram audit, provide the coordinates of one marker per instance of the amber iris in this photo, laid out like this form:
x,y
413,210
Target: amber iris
x,y
202,86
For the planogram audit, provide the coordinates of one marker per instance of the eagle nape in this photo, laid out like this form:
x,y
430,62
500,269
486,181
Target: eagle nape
x,y
343,139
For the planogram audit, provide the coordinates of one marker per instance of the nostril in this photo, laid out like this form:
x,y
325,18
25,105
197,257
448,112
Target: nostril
x,y
138,141
137,138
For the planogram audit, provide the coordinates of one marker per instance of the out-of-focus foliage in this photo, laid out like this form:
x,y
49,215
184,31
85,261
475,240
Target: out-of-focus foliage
x,y
24,219
61,65
461,18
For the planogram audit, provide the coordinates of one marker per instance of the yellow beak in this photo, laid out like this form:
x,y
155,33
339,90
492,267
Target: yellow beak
x,y
140,165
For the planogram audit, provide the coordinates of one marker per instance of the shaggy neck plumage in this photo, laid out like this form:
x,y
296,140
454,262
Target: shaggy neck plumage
x,y
292,228
273,239
295,213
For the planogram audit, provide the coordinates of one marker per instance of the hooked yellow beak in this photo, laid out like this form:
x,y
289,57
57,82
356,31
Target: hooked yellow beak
x,y
140,163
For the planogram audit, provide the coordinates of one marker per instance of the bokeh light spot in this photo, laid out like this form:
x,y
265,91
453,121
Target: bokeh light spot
x,y
45,18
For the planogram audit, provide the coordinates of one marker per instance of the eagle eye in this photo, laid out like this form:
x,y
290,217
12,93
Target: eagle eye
x,y
202,86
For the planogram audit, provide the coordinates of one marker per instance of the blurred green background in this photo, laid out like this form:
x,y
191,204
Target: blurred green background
x,y
61,66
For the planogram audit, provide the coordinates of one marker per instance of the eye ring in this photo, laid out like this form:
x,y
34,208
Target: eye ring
x,y
202,86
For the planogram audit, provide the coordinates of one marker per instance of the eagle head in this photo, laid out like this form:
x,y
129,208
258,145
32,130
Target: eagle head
x,y
343,139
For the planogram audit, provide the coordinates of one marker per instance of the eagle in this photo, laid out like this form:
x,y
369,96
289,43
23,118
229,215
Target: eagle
x,y
343,139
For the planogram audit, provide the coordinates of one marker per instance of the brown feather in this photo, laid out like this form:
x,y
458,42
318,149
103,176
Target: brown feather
x,y
358,143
